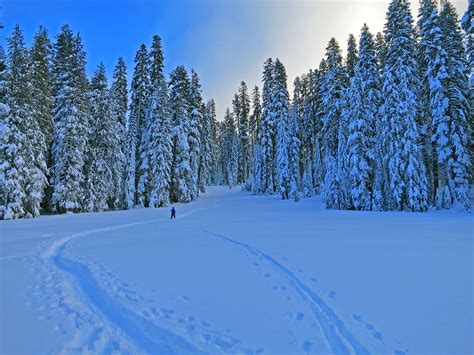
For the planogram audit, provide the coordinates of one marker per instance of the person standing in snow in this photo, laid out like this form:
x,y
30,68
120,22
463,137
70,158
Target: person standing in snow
x,y
173,213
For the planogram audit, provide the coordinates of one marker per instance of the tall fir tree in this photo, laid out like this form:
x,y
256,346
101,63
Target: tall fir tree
x,y
256,116
143,157
42,104
458,92
158,147
206,158
343,134
281,115
332,104
268,132
181,173
468,27
104,146
364,94
15,113
242,113
433,103
254,132
195,117
230,143
71,122
135,130
294,147
408,187
119,108
214,145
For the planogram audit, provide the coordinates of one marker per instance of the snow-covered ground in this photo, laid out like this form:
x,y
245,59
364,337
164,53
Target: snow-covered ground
x,y
238,273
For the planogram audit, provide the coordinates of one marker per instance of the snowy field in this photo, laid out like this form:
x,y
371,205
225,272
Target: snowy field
x,y
236,273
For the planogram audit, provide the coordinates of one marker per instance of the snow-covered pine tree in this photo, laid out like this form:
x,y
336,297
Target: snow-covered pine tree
x,y
300,92
222,175
194,140
143,156
215,154
268,132
135,128
343,134
181,174
104,148
206,158
241,105
254,123
459,163
71,122
332,103
311,135
119,107
254,131
363,114
468,27
408,188
281,116
158,144
294,147
381,182
230,144
433,103
42,104
15,114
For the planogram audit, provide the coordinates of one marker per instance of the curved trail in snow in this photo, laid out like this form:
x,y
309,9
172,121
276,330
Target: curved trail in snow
x,y
143,333
340,340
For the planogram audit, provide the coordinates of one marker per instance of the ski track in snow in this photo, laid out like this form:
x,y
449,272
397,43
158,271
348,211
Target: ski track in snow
x,y
338,337
91,307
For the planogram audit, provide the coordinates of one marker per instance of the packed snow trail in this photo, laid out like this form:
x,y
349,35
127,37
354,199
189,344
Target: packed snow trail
x,y
146,335
336,333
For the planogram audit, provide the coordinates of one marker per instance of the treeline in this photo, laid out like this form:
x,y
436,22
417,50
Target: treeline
x,y
68,143
388,127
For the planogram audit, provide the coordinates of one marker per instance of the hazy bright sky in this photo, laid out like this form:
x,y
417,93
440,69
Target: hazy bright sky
x,y
225,41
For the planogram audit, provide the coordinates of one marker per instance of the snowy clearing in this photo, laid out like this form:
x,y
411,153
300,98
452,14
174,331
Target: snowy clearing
x,y
237,273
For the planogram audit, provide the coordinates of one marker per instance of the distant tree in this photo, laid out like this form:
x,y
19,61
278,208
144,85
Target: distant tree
x,y
206,156
181,173
194,139
230,144
241,105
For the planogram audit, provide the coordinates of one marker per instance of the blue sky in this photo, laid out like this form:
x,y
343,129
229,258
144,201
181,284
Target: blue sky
x,y
225,41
